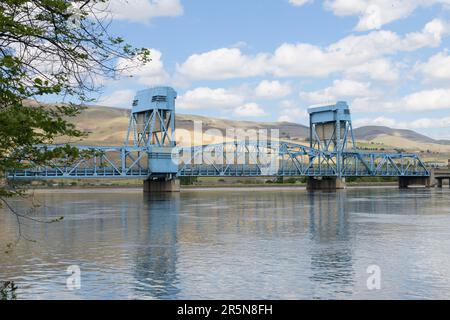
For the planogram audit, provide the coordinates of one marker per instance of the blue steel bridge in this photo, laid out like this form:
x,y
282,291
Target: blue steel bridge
x,y
150,153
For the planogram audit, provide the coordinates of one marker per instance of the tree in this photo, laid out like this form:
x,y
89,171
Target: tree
x,y
51,48
8,290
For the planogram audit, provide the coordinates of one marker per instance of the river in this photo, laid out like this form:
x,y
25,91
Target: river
x,y
232,244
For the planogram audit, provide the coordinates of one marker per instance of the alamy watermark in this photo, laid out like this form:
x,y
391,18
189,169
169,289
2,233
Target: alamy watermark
x,y
232,146
73,281
374,280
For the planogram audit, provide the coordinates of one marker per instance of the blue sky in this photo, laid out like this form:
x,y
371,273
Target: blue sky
x,y
268,60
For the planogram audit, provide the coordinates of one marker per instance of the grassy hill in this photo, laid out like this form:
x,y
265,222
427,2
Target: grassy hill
x,y
369,133
108,126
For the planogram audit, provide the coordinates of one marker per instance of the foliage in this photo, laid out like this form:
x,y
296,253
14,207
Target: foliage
x,y
187,181
51,49
8,290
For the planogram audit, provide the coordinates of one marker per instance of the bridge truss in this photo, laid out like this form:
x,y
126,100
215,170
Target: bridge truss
x,y
230,159
150,151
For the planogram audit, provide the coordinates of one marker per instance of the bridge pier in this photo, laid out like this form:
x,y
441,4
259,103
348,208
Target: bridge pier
x,y
405,182
325,183
440,181
439,175
161,185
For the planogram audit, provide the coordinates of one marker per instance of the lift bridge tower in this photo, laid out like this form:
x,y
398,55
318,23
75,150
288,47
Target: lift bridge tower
x,y
330,131
152,130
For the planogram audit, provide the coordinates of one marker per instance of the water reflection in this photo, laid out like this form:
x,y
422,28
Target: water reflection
x,y
156,255
331,256
234,244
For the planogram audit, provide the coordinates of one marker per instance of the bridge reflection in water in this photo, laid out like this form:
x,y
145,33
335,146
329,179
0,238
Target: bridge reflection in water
x,y
234,244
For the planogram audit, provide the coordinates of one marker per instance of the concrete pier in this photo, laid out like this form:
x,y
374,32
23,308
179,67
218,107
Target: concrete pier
x,y
325,183
439,175
440,181
405,182
161,185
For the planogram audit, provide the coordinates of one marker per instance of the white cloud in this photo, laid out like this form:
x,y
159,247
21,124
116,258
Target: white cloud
x,y
150,74
249,110
299,3
367,104
430,123
379,121
272,89
290,112
340,89
421,123
224,63
119,98
437,68
309,60
352,51
373,14
378,70
425,100
231,101
204,97
239,44
430,36
304,60
142,11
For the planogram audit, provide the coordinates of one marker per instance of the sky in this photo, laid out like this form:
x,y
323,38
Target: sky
x,y
268,60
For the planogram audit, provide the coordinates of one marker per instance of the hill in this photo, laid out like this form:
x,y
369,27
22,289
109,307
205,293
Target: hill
x,y
373,132
108,126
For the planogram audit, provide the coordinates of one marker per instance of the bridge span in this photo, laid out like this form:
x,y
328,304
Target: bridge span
x,y
150,153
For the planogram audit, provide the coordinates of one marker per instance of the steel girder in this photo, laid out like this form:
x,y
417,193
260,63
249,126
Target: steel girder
x,y
269,158
106,162
232,159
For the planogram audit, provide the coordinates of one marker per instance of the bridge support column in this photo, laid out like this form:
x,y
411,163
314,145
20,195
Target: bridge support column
x,y
433,180
325,183
161,185
405,182
440,182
